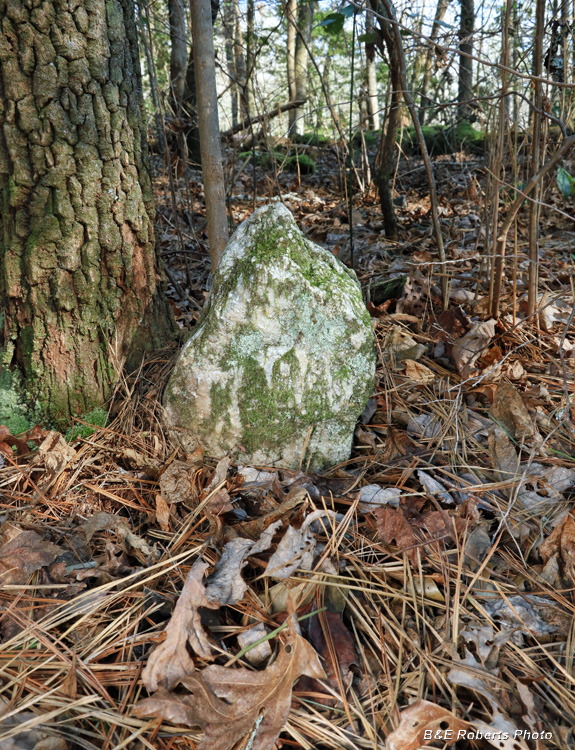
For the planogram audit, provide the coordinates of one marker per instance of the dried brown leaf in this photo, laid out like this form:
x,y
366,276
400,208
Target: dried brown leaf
x,y
450,324
468,349
296,496
393,526
510,412
162,513
503,454
8,442
561,542
419,718
105,521
177,482
227,703
220,474
170,662
424,720
23,555
219,503
56,453
330,625
397,445
418,373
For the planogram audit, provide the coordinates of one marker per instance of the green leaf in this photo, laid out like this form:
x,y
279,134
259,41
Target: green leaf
x,y
367,38
333,23
564,182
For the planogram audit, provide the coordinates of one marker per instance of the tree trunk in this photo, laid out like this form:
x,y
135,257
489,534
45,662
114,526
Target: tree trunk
x,y
425,102
240,59
178,54
536,157
514,31
250,59
229,33
371,76
418,56
466,26
386,153
304,23
324,81
207,96
291,19
190,112
79,284
190,107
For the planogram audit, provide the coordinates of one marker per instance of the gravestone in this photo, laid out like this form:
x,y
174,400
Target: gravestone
x,y
282,361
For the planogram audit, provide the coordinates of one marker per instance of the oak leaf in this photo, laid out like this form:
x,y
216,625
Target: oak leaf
x,y
423,717
419,718
561,542
170,662
228,704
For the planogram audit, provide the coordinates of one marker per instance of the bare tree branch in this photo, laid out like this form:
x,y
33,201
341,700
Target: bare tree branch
x,y
249,121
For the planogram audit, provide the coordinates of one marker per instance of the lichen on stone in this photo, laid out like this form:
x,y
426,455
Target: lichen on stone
x,y
282,362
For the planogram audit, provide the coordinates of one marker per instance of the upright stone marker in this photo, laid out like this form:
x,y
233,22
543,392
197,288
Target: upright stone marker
x,y
282,362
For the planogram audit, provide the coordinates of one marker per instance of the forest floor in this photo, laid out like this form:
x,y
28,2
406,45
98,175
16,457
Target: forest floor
x,y
434,571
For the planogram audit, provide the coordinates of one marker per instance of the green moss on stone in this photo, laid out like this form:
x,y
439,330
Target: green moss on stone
x,y
310,139
263,158
267,410
300,162
221,400
441,140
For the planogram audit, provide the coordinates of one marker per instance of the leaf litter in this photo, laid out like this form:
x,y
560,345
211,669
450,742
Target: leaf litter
x,y
426,583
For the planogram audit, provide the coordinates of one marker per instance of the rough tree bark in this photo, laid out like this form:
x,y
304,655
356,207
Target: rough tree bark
x,y
79,279
466,26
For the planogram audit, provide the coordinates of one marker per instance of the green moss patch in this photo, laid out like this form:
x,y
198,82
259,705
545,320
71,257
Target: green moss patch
x,y
302,162
94,419
13,412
